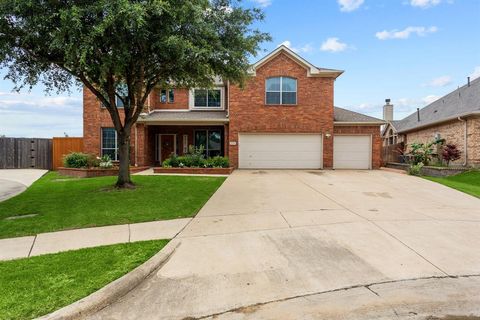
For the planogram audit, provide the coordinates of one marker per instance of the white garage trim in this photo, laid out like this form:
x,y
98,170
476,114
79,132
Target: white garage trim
x,y
280,151
351,151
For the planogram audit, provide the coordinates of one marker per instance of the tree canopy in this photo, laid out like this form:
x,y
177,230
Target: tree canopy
x,y
122,49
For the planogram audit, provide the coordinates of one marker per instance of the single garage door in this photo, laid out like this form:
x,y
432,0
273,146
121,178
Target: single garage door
x,y
280,151
352,152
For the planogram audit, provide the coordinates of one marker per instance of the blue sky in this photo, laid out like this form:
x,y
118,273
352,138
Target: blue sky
x,y
412,51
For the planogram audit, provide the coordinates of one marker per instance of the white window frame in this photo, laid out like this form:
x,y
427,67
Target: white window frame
x,y
191,99
116,143
281,91
167,92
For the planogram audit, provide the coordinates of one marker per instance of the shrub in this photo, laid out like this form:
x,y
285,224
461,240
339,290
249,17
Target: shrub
x,y
93,161
217,162
76,160
105,162
415,169
450,153
421,153
195,157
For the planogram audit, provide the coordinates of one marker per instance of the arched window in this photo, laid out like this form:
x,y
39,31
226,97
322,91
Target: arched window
x,y
281,90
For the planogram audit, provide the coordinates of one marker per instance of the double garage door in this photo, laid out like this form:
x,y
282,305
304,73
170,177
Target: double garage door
x,y
301,151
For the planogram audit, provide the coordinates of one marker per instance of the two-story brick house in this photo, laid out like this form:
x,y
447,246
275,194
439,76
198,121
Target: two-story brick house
x,y
284,117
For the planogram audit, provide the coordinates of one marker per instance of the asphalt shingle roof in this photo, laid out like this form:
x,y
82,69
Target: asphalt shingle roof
x,y
461,102
344,115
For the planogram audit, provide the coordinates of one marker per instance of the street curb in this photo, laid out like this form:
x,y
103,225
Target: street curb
x,y
114,290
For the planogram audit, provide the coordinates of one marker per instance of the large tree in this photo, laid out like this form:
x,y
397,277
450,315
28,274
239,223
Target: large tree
x,y
121,49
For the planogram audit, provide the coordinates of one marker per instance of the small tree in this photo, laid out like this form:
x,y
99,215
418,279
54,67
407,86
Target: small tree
x,y
121,49
450,153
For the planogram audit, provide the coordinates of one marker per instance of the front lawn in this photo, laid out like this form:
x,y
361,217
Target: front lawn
x,y
35,286
468,182
60,203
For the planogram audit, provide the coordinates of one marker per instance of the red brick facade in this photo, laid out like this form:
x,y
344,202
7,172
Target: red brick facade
x,y
248,113
312,114
180,101
374,131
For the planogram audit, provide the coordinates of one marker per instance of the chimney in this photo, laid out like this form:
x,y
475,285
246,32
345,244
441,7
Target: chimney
x,y
468,81
388,111
418,114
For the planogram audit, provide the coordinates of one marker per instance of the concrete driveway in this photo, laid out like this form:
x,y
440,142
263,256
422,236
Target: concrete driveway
x,y
320,244
15,181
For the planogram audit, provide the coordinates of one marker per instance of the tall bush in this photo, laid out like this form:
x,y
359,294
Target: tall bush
x,y
450,153
76,160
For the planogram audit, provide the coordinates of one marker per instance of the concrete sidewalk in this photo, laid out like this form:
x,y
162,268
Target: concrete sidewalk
x,y
15,181
52,242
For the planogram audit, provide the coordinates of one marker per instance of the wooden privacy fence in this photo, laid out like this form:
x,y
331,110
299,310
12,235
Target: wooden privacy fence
x,y
63,146
391,153
21,153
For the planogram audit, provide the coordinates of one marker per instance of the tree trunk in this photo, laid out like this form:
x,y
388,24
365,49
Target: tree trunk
x,y
123,180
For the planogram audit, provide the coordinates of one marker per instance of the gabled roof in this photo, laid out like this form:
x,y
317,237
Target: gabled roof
x,y
459,103
312,71
347,117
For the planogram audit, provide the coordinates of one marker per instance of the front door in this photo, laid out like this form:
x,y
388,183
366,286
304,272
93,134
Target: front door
x,y
167,146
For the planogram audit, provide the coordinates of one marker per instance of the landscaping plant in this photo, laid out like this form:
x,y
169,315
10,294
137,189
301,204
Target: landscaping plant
x,y
105,162
195,158
415,169
121,50
421,152
450,153
76,160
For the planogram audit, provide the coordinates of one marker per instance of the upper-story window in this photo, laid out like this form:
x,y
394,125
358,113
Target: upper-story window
x,y
122,91
208,98
167,96
281,90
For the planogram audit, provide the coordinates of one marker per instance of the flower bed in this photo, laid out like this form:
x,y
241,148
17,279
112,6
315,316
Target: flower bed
x,y
430,170
186,170
94,172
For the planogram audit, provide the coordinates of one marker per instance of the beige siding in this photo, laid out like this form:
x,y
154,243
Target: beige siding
x,y
453,133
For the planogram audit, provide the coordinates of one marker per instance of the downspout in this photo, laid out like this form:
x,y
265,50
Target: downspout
x,y
464,139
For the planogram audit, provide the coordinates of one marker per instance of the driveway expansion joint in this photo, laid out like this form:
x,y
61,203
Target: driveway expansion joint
x,y
372,222
305,296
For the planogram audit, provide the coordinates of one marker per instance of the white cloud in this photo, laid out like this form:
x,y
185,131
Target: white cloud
x,y
333,45
424,3
304,49
349,5
29,115
262,3
476,73
405,33
440,81
429,99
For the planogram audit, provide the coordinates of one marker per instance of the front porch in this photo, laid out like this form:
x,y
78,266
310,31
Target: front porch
x,y
161,141
160,134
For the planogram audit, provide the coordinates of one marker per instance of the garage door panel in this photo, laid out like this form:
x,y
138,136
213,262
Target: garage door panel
x,y
277,151
352,152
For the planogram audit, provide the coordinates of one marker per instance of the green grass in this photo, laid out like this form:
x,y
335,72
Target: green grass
x,y
468,182
67,203
35,286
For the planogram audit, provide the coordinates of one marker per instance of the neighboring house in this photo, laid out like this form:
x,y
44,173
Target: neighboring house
x,y
454,117
284,117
